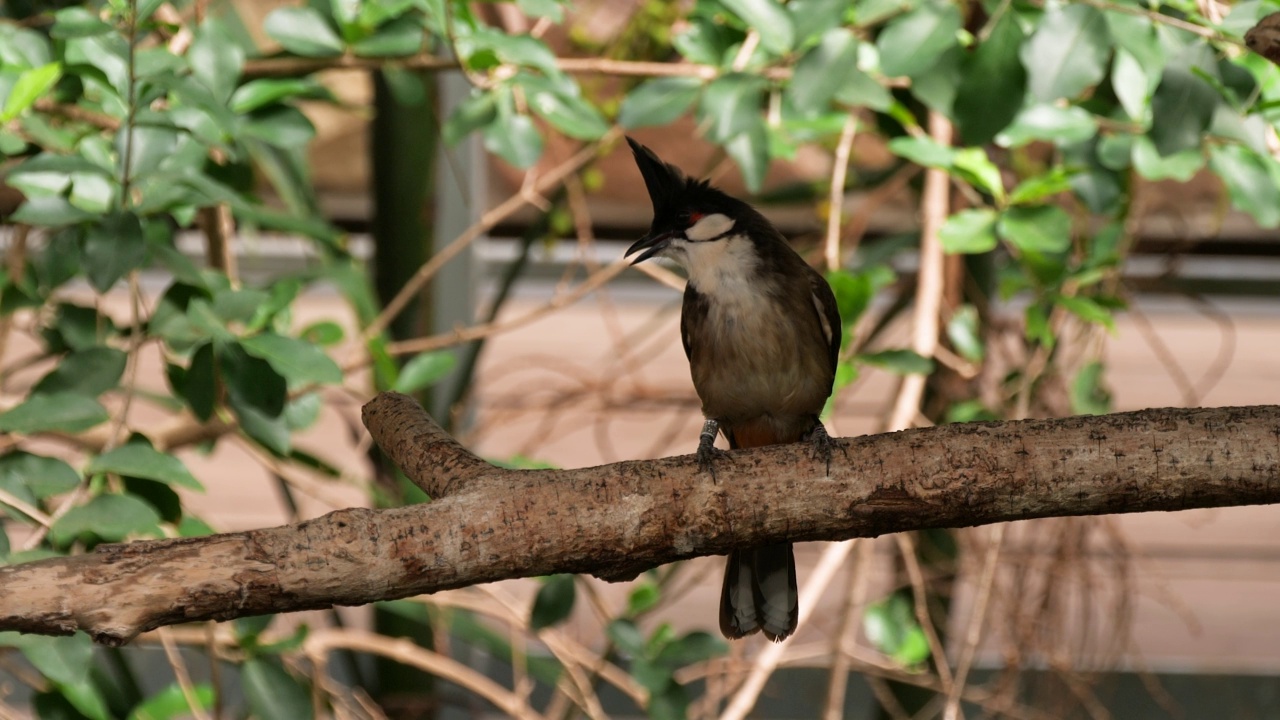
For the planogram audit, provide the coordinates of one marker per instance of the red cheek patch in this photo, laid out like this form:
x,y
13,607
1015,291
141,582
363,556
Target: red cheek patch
x,y
695,217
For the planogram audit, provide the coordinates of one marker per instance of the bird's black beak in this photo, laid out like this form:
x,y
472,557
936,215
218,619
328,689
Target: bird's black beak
x,y
651,244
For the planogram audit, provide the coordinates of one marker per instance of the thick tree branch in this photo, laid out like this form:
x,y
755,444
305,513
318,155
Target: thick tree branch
x,y
616,520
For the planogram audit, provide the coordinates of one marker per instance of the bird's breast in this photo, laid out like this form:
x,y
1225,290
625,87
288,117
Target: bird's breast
x,y
754,356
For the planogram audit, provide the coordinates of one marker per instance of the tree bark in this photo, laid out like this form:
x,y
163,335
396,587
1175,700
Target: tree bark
x,y
614,521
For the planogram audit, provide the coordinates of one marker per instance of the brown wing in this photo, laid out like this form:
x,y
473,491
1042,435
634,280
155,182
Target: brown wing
x,y
692,315
828,313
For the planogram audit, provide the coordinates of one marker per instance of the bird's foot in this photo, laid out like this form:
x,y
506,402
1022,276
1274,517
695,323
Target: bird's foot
x,y
821,444
708,453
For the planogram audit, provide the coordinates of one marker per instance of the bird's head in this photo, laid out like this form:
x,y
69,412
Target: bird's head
x,y
685,211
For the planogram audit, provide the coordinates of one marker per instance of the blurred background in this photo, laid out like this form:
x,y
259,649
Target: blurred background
x,y
226,225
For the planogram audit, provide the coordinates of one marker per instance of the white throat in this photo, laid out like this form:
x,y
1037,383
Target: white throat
x,y
725,268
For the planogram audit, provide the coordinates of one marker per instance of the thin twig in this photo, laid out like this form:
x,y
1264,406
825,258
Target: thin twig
x,y
835,201
180,673
322,641
475,332
976,618
907,547
25,508
846,636
934,207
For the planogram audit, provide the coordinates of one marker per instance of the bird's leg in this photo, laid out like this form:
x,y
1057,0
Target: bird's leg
x,y
707,450
821,444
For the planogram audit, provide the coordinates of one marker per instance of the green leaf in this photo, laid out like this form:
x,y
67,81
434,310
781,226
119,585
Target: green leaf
x,y
303,31
88,372
47,173
553,603
1087,309
861,90
750,150
514,138
892,628
30,86
477,111
216,59
1249,182
812,18
42,476
112,517
251,382
1183,104
1043,228
854,290
1132,87
73,22
658,101
274,694
568,113
1068,52
266,91
112,248
642,598
993,84
912,43
1040,187
705,42
322,333
171,703
900,362
732,105
49,212
1088,395
823,71
550,9
156,494
969,231
280,125
93,192
1061,125
694,647
976,168
55,412
768,19
1180,166
238,305
400,37
22,47
627,637
62,659
152,145
923,151
424,370
965,332
197,384
299,362
138,459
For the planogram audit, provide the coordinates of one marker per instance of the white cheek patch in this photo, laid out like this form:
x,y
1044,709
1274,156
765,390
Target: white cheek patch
x,y
709,227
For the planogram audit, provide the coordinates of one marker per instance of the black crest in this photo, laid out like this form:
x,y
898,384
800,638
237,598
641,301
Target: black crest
x,y
670,190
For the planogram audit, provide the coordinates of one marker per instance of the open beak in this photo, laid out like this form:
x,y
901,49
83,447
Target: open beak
x,y
651,244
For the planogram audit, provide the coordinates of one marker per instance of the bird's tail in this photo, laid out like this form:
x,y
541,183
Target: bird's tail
x,y
760,593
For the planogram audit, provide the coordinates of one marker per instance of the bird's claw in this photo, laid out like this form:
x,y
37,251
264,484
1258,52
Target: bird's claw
x,y
821,444
707,456
708,453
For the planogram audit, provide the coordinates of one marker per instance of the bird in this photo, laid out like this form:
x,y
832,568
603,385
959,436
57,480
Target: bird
x,y
761,330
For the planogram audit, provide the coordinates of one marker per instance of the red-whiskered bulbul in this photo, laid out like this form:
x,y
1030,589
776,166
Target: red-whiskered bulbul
x,y
762,333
